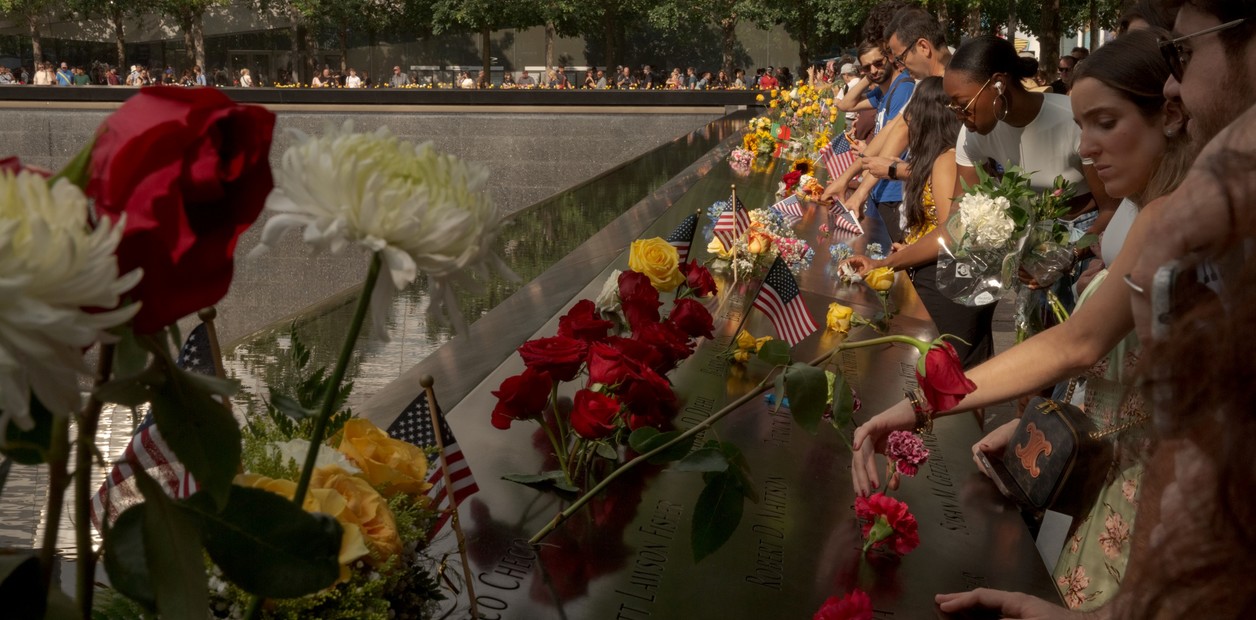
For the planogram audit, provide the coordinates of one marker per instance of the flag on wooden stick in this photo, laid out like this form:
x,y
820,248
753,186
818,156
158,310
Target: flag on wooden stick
x,y
414,425
733,223
844,219
837,156
682,237
781,300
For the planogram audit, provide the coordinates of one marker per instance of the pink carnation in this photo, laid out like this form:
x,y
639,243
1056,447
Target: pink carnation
x,y
907,450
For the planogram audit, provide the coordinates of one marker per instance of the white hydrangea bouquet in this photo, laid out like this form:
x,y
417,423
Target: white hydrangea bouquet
x,y
987,231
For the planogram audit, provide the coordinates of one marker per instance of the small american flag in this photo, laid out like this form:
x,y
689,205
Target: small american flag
x,y
733,223
844,219
837,156
149,451
682,237
414,425
789,206
780,299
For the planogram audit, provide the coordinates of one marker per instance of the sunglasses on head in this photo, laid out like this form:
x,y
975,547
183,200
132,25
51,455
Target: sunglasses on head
x,y
1178,55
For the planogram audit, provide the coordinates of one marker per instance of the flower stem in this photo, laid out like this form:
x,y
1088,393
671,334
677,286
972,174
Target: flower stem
x,y
88,422
699,427
337,375
329,398
58,482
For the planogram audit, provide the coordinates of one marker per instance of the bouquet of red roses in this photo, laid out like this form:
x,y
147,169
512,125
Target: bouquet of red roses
x,y
617,350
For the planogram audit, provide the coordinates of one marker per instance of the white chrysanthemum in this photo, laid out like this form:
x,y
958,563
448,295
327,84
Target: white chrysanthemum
x,y
422,210
297,449
51,267
985,221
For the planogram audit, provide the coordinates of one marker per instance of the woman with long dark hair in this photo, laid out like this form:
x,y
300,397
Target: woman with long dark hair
x,y
933,128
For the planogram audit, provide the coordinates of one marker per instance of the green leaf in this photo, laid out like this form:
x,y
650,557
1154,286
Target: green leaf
x,y
290,407
775,352
808,391
201,431
124,558
267,545
646,439
606,451
545,480
130,357
716,515
704,459
78,171
130,391
172,552
741,469
29,447
843,401
21,585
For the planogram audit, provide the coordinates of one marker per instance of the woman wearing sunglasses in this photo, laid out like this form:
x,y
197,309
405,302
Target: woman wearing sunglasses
x,y
1134,136
1005,125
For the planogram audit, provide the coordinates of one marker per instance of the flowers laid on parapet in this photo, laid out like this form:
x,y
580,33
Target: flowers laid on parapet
x,y
618,350
137,232
887,524
801,120
854,606
768,235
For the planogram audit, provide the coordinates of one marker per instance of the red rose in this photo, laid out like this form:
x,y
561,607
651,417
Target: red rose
x,y
521,397
692,318
583,322
791,179
853,606
648,397
593,414
607,365
887,523
668,341
639,353
190,169
698,279
943,381
558,355
638,298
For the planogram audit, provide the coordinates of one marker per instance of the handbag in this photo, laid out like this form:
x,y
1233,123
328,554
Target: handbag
x,y
1056,458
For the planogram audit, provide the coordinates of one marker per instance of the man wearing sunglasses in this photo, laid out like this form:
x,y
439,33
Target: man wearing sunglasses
x,y
875,71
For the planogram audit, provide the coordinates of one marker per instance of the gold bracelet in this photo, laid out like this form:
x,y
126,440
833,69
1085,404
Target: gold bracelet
x,y
919,406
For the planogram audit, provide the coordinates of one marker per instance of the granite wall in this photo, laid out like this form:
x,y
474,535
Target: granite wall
x,y
531,156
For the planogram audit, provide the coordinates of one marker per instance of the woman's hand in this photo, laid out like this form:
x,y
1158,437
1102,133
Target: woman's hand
x,y
994,442
1088,274
861,264
870,439
1009,604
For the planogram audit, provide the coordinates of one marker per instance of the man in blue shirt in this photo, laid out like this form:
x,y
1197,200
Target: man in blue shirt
x,y
887,196
65,77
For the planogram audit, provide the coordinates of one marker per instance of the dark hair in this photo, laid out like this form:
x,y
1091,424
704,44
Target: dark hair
x,y
1133,66
1151,11
1071,60
864,48
932,129
984,56
879,18
1083,50
1234,39
911,25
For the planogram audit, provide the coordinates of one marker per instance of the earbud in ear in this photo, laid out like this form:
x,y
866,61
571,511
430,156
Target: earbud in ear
x,y
999,87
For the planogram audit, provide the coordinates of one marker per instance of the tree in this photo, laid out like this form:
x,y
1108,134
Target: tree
x,y
33,13
482,16
190,15
818,25
115,14
724,15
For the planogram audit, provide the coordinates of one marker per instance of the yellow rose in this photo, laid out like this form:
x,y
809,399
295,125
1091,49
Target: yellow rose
x,y
772,104
326,501
745,340
657,259
759,244
758,98
716,247
880,279
391,464
759,342
838,318
364,507
774,91
741,356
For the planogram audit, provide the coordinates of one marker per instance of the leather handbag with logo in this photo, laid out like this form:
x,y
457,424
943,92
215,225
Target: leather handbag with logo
x,y
1056,458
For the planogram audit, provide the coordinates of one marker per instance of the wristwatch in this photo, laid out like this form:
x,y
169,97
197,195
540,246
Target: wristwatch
x,y
894,171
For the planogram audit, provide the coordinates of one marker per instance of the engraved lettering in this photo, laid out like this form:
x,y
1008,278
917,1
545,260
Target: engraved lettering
x,y
630,613
507,585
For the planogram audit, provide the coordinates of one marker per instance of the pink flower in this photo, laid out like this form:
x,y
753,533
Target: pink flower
x,y
853,606
907,450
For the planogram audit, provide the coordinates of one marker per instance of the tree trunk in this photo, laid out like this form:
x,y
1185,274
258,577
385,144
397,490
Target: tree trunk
x,y
37,46
198,38
189,43
297,61
1012,22
972,22
608,35
486,49
1094,25
728,30
549,44
119,37
944,18
311,54
1050,41
344,48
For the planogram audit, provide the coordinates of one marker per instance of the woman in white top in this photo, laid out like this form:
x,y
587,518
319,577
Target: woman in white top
x,y
353,81
43,75
246,80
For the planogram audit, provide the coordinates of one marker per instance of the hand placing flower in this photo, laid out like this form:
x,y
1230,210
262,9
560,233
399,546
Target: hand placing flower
x,y
880,279
940,375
